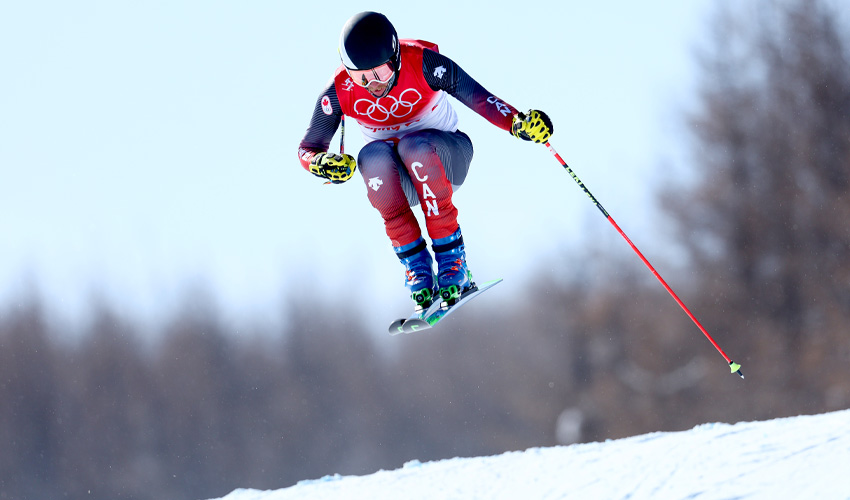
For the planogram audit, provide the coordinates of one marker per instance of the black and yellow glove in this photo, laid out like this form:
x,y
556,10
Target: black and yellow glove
x,y
337,168
534,126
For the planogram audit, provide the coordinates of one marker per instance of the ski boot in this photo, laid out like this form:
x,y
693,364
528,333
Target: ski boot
x,y
453,276
419,272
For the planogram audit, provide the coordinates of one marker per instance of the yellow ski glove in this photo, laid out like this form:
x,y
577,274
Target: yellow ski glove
x,y
337,168
534,126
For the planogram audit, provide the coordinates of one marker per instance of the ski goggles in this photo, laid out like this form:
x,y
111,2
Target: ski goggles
x,y
372,78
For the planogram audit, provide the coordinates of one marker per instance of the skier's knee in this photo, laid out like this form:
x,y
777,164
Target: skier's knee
x,y
375,153
416,144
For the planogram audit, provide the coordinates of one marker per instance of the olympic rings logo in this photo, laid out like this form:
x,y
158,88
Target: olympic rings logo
x,y
399,108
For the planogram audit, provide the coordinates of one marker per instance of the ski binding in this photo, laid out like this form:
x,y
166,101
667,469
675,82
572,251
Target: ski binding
x,y
423,320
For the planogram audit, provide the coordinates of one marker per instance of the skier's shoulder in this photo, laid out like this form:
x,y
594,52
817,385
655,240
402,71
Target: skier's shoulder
x,y
340,74
341,81
419,45
422,52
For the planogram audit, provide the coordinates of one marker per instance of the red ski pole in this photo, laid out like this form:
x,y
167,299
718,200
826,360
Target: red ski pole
x,y
736,368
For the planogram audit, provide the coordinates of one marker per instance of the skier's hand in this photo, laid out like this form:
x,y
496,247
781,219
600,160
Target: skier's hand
x,y
534,126
337,168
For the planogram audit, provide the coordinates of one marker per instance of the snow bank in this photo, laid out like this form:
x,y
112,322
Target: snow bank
x,y
799,457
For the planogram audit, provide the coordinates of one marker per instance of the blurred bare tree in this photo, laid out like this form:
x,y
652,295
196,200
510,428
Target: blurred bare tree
x,y
767,219
602,352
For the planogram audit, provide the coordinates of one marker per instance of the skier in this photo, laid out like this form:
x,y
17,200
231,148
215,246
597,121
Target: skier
x,y
414,153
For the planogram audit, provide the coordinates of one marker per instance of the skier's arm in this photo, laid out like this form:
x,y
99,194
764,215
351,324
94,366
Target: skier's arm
x,y
313,149
322,126
442,73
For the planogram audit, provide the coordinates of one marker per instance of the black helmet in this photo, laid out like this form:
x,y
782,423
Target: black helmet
x,y
369,40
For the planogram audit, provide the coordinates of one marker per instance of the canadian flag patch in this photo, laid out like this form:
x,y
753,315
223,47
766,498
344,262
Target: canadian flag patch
x,y
326,105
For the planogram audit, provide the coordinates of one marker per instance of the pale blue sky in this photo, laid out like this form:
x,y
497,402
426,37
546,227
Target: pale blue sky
x,y
147,145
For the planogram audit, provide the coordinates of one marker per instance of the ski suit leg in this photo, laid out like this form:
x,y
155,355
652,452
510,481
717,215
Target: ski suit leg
x,y
437,163
390,191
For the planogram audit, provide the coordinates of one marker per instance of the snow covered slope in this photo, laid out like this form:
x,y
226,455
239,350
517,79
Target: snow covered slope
x,y
795,458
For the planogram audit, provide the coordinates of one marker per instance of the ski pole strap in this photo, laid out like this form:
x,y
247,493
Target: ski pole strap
x,y
448,246
413,251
